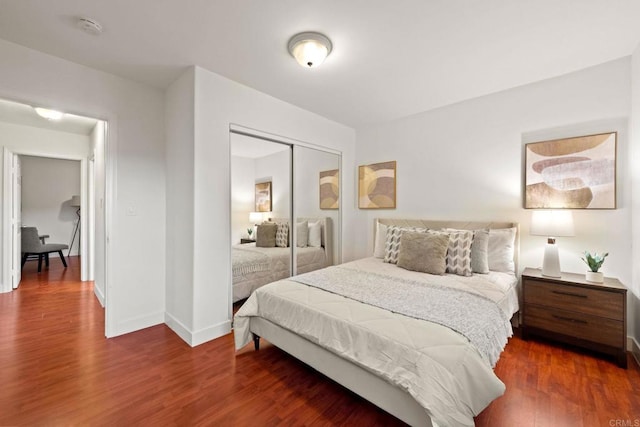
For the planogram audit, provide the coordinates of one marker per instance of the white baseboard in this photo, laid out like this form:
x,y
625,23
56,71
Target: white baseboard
x,y
138,323
178,327
99,295
634,348
198,337
211,332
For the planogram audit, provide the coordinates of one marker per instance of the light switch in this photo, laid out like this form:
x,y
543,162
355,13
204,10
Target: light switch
x,y
132,211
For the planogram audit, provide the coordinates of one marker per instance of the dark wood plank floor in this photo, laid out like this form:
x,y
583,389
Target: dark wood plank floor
x,y
56,368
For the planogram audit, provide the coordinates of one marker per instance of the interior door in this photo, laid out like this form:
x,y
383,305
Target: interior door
x,y
16,221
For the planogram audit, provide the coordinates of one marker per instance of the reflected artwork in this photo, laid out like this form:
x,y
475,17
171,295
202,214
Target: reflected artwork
x,y
263,197
329,189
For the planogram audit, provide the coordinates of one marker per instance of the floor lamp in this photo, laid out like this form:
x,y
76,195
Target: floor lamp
x,y
75,203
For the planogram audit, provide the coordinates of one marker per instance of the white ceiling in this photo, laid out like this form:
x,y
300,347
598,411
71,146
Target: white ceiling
x,y
390,59
23,114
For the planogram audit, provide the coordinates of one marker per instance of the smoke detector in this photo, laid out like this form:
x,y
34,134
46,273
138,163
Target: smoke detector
x,y
89,26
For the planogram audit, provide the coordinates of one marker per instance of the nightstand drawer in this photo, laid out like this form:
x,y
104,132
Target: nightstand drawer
x,y
596,329
575,298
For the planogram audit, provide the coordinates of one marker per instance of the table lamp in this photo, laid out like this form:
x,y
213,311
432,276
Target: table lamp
x,y
551,224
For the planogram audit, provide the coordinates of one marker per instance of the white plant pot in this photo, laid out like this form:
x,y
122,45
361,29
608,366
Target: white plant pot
x,y
595,277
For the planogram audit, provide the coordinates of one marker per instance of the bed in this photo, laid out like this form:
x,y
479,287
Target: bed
x,y
253,266
419,370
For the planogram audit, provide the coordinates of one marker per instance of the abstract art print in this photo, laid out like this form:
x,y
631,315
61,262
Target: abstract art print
x,y
377,186
571,173
330,189
263,197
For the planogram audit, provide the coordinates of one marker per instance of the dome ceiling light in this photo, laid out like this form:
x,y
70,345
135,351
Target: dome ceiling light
x,y
49,114
310,49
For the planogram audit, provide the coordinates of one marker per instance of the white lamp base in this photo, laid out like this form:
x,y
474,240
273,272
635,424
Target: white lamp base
x,y
551,261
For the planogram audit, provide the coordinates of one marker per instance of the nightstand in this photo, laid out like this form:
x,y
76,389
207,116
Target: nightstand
x,y
243,241
571,310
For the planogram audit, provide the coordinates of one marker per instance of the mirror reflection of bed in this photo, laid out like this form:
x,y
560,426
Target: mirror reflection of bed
x,y
255,265
269,181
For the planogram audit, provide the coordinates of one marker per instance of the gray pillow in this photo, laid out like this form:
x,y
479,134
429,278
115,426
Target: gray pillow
x,y
480,252
423,252
302,234
266,235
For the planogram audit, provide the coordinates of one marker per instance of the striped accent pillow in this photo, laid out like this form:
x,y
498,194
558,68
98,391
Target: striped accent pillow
x,y
459,252
392,243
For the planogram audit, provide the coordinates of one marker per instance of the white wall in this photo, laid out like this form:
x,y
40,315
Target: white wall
x,y
242,196
465,161
135,291
634,169
47,188
220,102
277,169
179,114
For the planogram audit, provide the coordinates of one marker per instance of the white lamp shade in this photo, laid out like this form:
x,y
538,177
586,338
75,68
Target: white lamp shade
x,y
552,223
75,201
255,217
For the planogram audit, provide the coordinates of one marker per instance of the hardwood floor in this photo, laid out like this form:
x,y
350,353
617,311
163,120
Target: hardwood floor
x,y
56,368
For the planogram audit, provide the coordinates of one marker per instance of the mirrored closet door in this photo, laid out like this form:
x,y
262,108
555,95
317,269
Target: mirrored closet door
x,y
267,244
316,198
260,213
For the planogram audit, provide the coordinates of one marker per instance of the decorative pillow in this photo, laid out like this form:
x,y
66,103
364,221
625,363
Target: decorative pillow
x,y
381,238
424,252
479,258
315,234
480,252
501,247
392,242
266,235
302,234
282,235
459,252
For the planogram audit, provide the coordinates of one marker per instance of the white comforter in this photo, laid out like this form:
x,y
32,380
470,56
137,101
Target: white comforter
x,y
437,366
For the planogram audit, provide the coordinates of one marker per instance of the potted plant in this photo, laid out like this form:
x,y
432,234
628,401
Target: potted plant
x,y
594,262
249,232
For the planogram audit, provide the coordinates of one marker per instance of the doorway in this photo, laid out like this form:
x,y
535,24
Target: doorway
x,y
77,139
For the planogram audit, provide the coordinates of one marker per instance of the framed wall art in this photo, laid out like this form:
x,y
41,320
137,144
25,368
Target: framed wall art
x,y
263,197
377,186
571,173
330,189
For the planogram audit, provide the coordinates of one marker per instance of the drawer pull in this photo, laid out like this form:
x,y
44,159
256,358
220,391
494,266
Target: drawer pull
x,y
571,294
569,319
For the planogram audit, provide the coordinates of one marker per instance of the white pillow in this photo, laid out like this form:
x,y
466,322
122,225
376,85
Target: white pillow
x,y
500,249
381,238
315,234
302,234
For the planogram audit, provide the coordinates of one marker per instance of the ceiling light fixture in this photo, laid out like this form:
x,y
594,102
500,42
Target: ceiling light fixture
x,y
310,49
49,114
